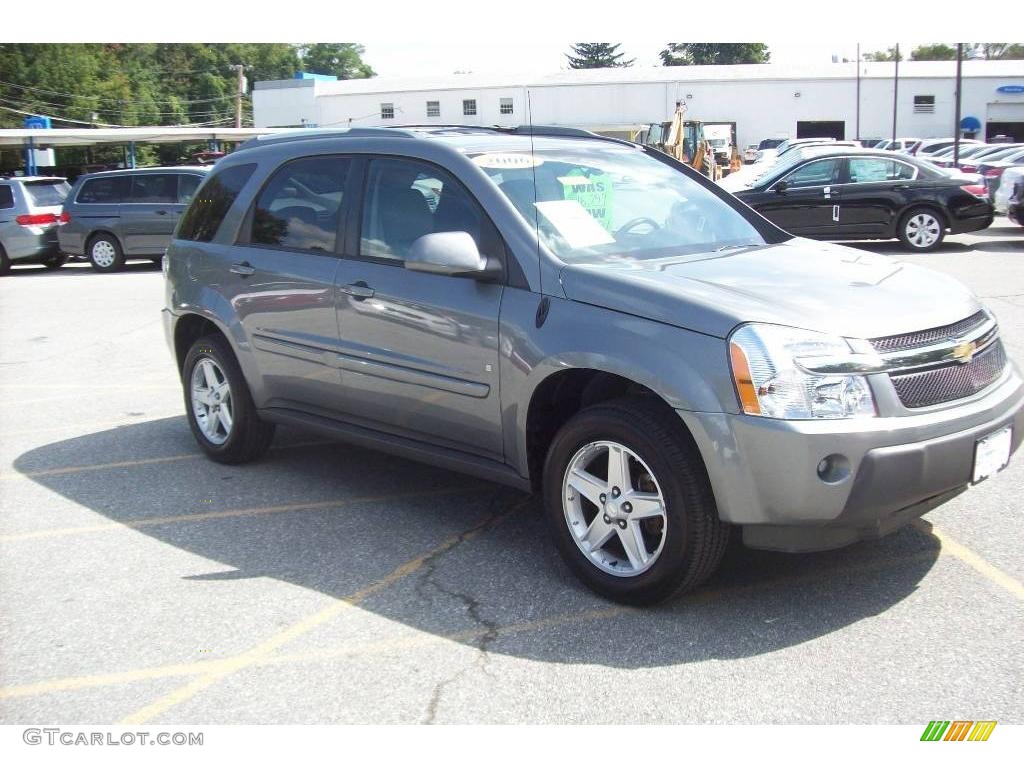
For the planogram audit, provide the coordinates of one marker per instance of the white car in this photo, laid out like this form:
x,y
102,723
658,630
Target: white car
x,y
1004,191
750,153
899,145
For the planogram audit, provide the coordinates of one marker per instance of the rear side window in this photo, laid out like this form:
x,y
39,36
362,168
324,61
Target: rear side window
x,y
154,188
47,192
212,203
6,196
300,204
106,189
187,186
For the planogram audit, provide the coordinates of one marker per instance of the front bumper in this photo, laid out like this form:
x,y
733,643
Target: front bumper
x,y
764,472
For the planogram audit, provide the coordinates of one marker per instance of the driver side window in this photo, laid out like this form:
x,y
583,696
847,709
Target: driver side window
x,y
816,174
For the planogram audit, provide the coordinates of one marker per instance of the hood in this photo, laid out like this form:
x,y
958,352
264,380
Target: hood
x,y
800,283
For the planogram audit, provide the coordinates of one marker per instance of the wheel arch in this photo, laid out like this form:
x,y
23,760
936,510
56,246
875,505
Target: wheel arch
x,y
102,231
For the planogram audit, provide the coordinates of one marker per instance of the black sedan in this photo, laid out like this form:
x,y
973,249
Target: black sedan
x,y
851,194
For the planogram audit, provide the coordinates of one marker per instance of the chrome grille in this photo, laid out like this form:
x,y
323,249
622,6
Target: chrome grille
x,y
931,336
950,382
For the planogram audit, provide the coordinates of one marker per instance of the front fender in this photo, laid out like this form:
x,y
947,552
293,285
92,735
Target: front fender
x,y
688,370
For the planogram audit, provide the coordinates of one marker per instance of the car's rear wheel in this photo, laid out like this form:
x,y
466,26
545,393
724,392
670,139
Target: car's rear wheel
x,y
629,504
221,413
5,263
922,229
55,262
105,254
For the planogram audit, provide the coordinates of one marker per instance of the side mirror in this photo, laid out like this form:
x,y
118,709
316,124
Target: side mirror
x,y
451,253
781,187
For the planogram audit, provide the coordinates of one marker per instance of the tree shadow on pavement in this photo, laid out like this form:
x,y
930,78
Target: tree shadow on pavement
x,y
334,518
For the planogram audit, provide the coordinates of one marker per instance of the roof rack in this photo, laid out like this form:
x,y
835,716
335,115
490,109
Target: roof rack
x,y
304,134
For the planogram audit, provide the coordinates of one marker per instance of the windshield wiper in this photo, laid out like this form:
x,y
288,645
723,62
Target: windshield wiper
x,y
730,247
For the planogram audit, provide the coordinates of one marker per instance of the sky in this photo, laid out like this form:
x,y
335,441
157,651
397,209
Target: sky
x,y
391,59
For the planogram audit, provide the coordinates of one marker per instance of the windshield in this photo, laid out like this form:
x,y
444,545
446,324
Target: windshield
x,y
770,143
605,201
47,192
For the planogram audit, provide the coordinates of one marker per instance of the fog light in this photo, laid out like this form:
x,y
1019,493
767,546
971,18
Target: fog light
x,y
834,468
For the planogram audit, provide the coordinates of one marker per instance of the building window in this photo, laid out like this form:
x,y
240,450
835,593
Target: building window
x,y
924,103
506,106
433,109
387,111
469,106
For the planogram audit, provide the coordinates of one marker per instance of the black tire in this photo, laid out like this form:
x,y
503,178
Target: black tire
x,y
906,237
108,240
55,262
5,263
695,538
249,436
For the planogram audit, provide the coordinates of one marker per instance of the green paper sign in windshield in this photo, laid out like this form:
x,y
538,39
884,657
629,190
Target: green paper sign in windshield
x,y
593,192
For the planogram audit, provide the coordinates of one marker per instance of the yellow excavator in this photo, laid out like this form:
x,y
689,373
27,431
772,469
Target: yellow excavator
x,y
684,140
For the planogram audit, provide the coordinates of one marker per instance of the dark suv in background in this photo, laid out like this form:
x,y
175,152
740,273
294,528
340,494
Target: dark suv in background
x,y
114,216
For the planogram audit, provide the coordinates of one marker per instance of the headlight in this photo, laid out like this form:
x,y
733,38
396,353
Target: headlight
x,y
770,382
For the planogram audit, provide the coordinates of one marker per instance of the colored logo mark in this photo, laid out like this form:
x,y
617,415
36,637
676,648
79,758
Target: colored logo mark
x,y
958,730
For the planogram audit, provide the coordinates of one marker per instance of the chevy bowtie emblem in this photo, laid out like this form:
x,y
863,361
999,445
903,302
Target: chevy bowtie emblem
x,y
964,351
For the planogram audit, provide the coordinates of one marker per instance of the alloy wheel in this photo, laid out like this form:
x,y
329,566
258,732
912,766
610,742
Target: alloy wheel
x,y
211,401
103,253
923,230
614,508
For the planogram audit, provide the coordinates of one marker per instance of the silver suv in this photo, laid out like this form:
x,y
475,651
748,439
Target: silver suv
x,y
30,213
590,320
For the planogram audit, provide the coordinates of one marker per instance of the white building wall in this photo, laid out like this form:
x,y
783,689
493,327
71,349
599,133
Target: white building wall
x,y
761,106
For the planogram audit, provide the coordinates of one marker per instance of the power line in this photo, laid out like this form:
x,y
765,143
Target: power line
x,y
113,99
21,104
108,125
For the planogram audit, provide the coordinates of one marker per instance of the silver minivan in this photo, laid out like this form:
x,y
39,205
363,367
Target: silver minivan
x,y
30,213
114,216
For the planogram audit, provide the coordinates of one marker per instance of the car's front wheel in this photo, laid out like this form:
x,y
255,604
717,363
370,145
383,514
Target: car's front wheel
x,y
220,409
629,504
922,229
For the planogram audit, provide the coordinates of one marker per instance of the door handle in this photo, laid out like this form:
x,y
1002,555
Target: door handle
x,y
358,291
902,186
243,268
161,213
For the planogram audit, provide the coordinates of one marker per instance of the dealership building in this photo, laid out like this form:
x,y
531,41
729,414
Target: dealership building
x,y
763,100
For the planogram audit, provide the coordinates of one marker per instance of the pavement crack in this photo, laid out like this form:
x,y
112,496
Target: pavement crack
x,y
472,607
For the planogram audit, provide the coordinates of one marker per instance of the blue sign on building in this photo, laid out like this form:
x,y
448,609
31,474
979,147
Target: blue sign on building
x,y
971,124
37,121
1010,89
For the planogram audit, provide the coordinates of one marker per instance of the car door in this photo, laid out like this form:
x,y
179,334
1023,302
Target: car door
x,y
875,189
419,351
281,280
148,215
801,202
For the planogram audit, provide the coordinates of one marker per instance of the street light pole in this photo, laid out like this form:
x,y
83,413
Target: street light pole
x,y
959,83
858,92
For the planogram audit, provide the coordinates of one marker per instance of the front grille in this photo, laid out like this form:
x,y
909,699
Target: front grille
x,y
931,336
950,382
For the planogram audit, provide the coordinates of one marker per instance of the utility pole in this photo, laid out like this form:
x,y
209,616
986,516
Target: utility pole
x,y
959,84
240,68
895,92
858,92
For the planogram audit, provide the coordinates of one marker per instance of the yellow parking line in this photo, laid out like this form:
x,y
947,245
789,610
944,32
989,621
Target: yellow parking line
x,y
424,638
952,547
7,476
198,517
311,622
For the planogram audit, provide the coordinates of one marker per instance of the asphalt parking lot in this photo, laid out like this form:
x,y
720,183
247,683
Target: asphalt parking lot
x,y
141,583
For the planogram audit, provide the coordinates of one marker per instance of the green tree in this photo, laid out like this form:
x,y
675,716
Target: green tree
x,y
889,54
596,56
998,50
345,60
681,54
934,52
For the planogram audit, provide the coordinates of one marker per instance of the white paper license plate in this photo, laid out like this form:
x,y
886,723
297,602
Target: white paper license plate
x,y
991,454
